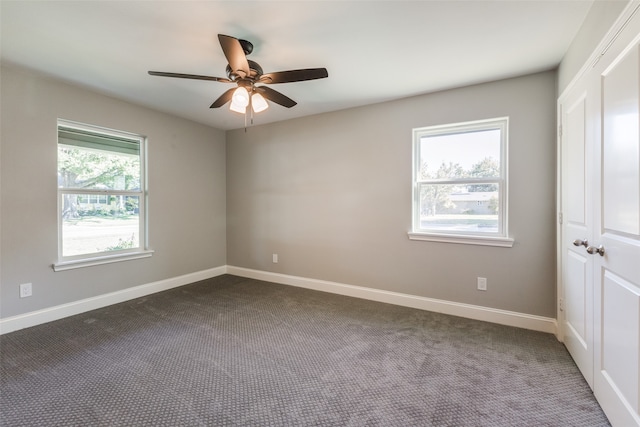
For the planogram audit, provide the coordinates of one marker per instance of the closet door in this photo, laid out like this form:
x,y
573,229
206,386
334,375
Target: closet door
x,y
577,228
600,233
616,243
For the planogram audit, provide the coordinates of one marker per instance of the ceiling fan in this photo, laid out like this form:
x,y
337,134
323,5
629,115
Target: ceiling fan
x,y
249,77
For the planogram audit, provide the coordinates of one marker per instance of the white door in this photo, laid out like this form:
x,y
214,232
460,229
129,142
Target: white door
x,y
600,201
617,233
577,230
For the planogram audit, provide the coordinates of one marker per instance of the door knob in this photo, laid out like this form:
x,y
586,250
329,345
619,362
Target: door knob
x,y
593,250
579,242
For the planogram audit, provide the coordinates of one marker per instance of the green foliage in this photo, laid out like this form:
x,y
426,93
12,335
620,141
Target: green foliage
x,y
83,168
486,168
97,211
122,244
131,204
94,169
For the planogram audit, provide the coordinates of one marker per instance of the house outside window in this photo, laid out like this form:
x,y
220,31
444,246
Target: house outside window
x,y
102,196
460,183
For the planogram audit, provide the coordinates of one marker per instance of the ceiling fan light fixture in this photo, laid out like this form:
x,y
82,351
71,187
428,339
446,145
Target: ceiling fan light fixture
x,y
242,109
240,97
258,103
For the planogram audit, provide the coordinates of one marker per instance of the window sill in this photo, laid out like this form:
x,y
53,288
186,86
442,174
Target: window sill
x,y
503,242
99,260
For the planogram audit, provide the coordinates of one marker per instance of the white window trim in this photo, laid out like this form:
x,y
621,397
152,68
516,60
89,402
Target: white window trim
x,y
88,260
99,260
501,238
503,242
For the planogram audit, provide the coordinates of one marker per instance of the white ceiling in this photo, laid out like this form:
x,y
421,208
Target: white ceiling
x,y
374,50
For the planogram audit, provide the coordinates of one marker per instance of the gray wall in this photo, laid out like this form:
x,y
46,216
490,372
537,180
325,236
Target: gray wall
x,y
331,195
601,17
186,183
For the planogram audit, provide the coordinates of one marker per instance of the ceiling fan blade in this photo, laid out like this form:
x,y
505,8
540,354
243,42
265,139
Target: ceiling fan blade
x,y
189,76
275,96
223,99
294,75
235,55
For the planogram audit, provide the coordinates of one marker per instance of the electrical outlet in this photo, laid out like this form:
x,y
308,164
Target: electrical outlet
x,y
482,283
275,258
25,290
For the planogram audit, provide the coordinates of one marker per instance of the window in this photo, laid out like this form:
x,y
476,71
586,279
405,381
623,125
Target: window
x,y
101,196
460,183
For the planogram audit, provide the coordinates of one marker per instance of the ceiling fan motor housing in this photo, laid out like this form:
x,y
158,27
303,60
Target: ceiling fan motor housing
x,y
255,71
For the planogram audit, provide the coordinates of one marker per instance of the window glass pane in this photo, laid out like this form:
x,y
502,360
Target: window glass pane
x,y
99,223
458,208
460,155
81,167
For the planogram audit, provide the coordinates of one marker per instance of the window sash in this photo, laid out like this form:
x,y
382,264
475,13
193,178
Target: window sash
x,y
125,238
501,181
460,181
141,229
104,140
460,223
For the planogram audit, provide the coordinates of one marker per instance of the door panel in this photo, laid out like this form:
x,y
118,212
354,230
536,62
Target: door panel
x,y
577,326
621,127
574,122
576,306
617,220
620,337
577,280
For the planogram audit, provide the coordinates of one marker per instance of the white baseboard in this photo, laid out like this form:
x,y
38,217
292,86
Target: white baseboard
x,y
503,317
493,315
38,317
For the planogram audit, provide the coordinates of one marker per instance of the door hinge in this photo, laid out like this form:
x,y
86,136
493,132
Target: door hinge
x,y
559,217
561,304
560,131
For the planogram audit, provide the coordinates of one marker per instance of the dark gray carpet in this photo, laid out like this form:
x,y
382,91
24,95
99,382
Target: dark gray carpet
x,y
238,352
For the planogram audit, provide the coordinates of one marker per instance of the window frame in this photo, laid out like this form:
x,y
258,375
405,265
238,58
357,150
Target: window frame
x,y
98,258
501,237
